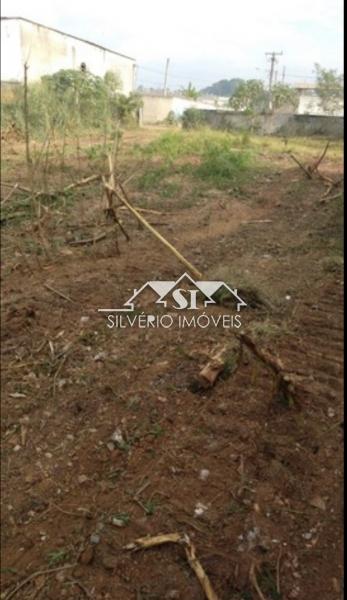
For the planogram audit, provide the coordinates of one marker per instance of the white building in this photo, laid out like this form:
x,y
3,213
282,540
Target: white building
x,y
309,101
47,50
157,106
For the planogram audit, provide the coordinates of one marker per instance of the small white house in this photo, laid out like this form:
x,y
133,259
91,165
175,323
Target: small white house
x,y
309,102
47,50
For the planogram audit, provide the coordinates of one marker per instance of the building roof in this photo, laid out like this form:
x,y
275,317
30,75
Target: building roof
x,y
67,34
305,85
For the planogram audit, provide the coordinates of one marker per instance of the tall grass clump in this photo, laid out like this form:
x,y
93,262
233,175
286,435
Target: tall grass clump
x,y
213,156
220,164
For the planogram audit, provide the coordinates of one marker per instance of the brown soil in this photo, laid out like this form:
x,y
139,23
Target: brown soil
x,y
273,491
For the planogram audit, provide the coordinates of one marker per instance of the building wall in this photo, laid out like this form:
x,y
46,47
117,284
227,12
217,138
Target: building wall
x,y
47,51
11,53
156,108
277,124
309,104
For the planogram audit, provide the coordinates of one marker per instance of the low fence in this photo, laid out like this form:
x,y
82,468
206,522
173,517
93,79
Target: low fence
x,y
278,124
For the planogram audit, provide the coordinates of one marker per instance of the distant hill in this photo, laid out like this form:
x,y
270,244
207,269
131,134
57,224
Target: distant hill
x,y
224,87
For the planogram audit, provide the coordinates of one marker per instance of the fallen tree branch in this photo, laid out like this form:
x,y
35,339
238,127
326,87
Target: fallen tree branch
x,y
37,574
80,183
255,222
176,538
316,165
199,571
54,193
326,178
124,200
306,171
58,293
144,210
285,389
20,188
331,186
334,197
254,582
10,194
88,241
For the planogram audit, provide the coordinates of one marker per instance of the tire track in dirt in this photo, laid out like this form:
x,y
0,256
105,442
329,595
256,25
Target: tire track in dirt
x,y
319,353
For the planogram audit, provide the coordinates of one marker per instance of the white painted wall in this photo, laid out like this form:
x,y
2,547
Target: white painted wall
x,y
179,105
157,108
47,51
11,52
309,104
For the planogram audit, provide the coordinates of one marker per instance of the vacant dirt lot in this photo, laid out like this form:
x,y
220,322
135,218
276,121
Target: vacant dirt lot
x,y
105,437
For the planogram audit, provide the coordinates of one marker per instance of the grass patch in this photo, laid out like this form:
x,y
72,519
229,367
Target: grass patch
x,y
333,264
266,330
212,156
251,289
221,164
152,177
57,557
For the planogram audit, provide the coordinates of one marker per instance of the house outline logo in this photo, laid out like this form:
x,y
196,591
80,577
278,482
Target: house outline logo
x,y
163,289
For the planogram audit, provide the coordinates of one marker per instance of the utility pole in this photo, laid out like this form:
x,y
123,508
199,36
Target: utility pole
x,y
26,116
166,74
283,74
134,76
273,61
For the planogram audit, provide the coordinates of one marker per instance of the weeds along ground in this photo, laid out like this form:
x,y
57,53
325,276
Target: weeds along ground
x,y
105,439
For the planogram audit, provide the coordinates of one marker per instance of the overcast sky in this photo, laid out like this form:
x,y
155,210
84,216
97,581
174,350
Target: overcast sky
x,y
206,41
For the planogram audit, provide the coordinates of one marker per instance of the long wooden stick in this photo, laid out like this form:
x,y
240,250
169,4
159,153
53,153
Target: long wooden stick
x,y
69,187
51,289
10,194
88,241
20,188
199,571
318,162
149,211
176,538
37,574
306,171
156,233
26,116
79,183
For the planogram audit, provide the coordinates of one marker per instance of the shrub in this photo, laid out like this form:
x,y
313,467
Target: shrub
x,y
191,118
220,164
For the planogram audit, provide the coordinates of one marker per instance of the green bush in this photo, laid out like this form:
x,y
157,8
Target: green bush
x,y
192,118
221,164
69,100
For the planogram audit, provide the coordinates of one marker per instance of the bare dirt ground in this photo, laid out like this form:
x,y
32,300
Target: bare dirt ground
x,y
269,475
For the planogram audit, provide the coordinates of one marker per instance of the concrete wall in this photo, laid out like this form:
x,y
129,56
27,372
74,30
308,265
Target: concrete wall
x,y
47,51
11,52
278,124
156,108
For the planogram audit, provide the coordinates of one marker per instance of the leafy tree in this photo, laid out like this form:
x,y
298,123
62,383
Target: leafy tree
x,y
249,96
284,95
191,92
330,88
127,106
